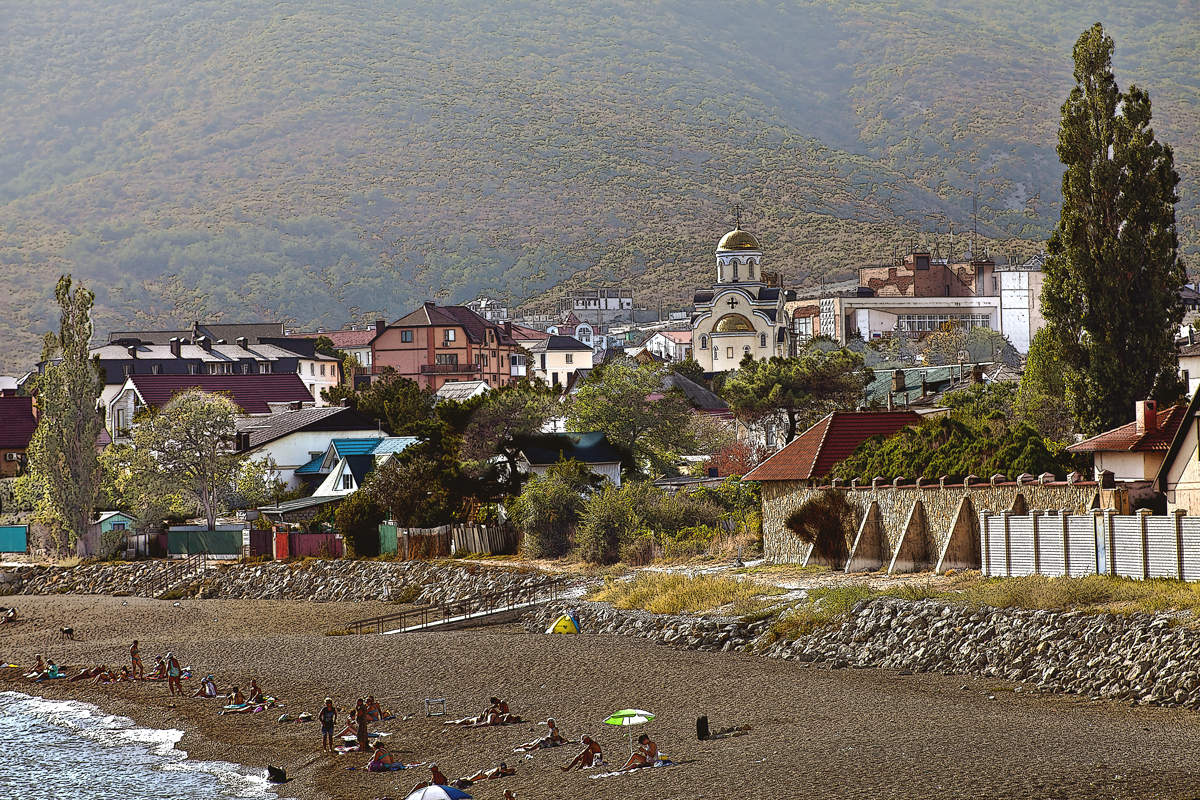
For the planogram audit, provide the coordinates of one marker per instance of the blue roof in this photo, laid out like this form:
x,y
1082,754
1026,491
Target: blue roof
x,y
394,444
313,467
354,447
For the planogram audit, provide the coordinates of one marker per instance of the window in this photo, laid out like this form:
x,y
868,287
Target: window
x,y
803,327
703,342
312,368
554,378
762,340
157,369
746,348
406,336
729,352
264,367
735,271
516,360
570,358
322,370
128,369
543,359
450,335
118,526
446,359
347,481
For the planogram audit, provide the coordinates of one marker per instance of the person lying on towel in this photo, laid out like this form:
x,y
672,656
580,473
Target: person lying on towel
x,y
501,771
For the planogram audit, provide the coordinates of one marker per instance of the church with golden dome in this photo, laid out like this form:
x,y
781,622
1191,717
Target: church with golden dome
x,y
742,314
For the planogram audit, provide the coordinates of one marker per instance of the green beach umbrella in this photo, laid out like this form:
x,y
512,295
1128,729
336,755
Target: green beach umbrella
x,y
628,717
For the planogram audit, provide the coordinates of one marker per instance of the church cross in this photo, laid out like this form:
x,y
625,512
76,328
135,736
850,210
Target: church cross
x,y
737,216
733,302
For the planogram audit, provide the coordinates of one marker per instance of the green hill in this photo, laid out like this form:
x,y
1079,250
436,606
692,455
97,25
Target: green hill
x,y
322,161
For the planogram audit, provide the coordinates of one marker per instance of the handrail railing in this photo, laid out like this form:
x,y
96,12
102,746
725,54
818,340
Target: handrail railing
x,y
177,571
491,603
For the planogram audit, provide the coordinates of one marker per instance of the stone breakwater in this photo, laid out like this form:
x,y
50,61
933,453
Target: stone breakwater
x,y
417,582
1137,658
685,632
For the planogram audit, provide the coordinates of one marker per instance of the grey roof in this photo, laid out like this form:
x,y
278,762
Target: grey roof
x,y
461,390
216,353
300,503
698,396
8,383
554,342
328,418
215,330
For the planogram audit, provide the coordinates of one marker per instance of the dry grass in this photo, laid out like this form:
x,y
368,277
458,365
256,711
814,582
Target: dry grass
x,y
1098,593
672,593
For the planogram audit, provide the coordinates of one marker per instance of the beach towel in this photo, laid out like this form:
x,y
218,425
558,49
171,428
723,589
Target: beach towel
x,y
662,762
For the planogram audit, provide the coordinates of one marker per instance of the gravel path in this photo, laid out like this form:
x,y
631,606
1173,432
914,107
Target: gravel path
x,y
816,733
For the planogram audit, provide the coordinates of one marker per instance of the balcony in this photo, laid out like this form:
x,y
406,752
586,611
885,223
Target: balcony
x,y
450,369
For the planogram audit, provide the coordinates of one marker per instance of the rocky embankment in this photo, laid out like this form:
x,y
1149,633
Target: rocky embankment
x,y
685,632
418,582
1136,658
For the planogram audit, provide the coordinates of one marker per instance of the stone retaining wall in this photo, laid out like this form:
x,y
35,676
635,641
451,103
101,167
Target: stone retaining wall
x,y
315,580
930,514
685,632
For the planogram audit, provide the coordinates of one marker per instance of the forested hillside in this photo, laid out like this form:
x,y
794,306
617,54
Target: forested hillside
x,y
324,160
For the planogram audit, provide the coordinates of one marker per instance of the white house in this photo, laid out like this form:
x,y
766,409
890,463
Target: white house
x,y
671,345
541,452
556,358
347,462
292,439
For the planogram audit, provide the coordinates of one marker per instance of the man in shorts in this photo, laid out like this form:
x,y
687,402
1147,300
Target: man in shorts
x,y
328,717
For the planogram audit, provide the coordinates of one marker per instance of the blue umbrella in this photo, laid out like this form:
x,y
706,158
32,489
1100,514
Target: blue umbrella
x,y
436,792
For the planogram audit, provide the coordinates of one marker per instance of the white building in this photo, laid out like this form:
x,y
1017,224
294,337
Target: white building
x,y
292,439
556,358
671,345
740,315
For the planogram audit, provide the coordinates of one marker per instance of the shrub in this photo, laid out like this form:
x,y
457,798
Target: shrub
x,y
826,522
548,509
673,593
357,519
607,517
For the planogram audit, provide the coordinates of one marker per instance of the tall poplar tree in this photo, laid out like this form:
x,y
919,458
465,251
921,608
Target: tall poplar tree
x,y
1112,279
62,454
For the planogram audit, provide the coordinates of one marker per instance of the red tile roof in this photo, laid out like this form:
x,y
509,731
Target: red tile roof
x,y
814,453
17,422
681,337
1126,438
341,339
250,392
523,332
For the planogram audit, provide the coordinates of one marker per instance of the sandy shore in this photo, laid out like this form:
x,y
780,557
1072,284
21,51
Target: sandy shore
x,y
816,733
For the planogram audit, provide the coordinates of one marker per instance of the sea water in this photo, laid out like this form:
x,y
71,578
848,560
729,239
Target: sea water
x,y
65,750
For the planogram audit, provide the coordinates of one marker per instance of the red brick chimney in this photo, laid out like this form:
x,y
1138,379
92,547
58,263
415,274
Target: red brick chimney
x,y
1145,414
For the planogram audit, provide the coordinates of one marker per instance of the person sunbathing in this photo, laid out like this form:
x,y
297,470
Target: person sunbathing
x,y
208,687
10,616
375,712
590,757
644,756
501,771
552,739
256,693
104,677
39,666
123,675
160,669
381,759
51,672
85,673
236,698
436,779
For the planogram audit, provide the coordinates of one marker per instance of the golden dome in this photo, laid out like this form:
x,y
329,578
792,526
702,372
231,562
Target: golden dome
x,y
738,239
733,323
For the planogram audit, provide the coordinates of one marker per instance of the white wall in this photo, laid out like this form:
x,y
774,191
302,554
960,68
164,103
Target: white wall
x,y
314,381
1190,365
296,449
1127,466
611,472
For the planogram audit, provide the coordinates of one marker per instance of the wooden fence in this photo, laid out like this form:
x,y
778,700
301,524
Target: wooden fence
x,y
447,540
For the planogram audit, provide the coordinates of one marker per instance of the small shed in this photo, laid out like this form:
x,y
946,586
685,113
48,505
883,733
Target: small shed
x,y
107,522
14,538
225,541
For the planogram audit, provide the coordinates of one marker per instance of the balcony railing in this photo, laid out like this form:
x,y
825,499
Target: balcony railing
x,y
449,369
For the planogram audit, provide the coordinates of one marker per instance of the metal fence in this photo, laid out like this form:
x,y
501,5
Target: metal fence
x,y
1055,543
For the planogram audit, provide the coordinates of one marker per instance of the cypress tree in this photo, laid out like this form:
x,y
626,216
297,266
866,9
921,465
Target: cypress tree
x,y
1112,277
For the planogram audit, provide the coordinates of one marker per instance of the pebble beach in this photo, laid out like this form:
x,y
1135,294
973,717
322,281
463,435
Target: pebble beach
x,y
814,732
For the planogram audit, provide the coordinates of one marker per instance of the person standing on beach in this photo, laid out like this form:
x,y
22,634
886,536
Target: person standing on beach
x,y
328,717
135,655
360,716
173,675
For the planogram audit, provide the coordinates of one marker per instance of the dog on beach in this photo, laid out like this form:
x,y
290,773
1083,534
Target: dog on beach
x,y
67,633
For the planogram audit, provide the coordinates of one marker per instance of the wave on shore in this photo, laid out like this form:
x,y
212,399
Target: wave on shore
x,y
74,751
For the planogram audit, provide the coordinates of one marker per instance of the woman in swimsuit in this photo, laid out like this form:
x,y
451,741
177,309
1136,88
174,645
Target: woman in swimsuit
x,y
552,739
256,693
236,698
135,655
590,756
173,675
644,756
380,759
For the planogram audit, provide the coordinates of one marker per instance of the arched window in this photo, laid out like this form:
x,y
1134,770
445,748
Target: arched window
x,y
746,348
762,340
703,342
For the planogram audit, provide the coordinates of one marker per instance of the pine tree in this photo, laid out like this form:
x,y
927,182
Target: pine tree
x,y
62,455
1113,275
